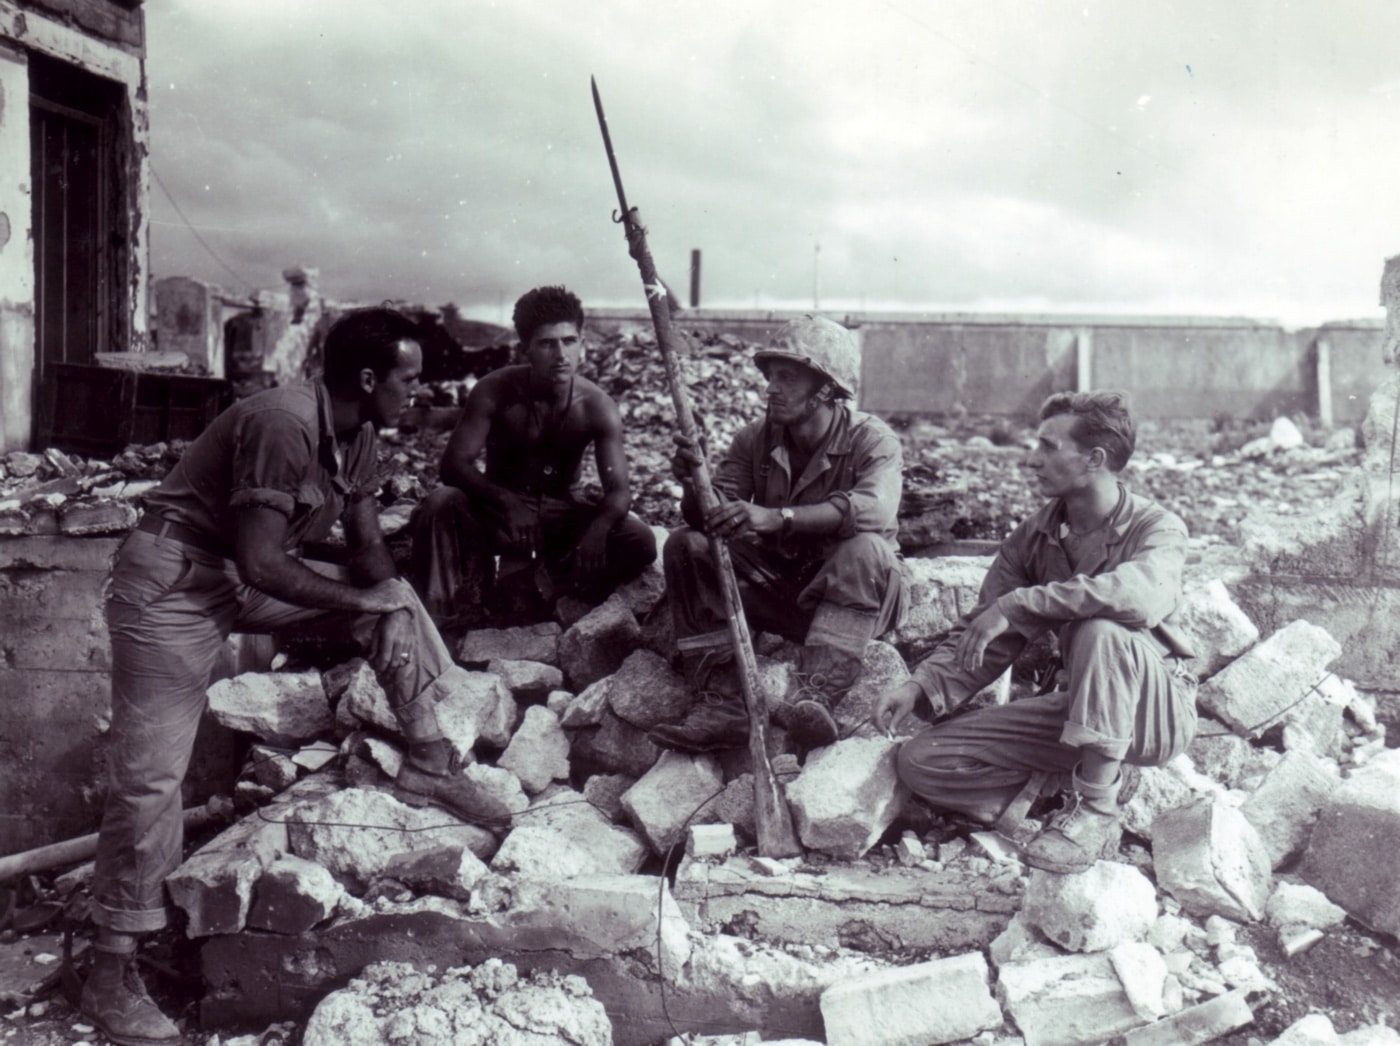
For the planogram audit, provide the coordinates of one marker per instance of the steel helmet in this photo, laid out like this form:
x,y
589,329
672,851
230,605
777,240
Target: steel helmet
x,y
821,344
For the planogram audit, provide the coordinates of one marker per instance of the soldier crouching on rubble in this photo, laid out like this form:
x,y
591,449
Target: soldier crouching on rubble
x,y
1102,567
533,421
215,552
808,498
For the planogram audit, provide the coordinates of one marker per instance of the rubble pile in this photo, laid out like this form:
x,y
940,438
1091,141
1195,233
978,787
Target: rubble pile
x,y
963,477
604,857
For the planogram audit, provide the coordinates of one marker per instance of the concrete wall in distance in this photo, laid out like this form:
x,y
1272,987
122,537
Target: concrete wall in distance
x,y
1174,367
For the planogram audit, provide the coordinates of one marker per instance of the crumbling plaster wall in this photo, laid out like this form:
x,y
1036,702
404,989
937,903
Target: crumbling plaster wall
x,y
107,40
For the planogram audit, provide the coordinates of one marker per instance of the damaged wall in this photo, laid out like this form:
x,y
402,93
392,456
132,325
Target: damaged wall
x,y
105,38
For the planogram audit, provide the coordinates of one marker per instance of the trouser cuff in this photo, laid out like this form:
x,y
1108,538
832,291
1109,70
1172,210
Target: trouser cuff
x,y
418,718
126,920
846,629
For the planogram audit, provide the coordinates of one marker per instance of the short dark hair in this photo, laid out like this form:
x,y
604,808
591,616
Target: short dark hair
x,y
365,338
1101,419
543,306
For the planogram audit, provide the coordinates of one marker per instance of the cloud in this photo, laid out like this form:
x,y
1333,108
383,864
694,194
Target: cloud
x,y
964,153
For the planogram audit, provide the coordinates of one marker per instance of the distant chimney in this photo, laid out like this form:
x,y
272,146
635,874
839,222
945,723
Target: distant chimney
x,y
695,278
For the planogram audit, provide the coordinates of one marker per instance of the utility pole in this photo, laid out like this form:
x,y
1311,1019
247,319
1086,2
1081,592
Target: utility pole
x,y
695,278
817,276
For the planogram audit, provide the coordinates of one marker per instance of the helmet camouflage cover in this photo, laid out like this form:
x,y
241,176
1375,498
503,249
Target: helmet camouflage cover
x,y
821,344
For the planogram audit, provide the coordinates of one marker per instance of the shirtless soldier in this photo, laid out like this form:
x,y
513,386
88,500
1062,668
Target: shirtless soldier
x,y
533,421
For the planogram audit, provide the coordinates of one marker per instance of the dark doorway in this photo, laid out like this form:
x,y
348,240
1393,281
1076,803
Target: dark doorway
x,y
79,142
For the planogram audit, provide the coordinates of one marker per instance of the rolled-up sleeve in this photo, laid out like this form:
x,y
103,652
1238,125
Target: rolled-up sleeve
x,y
872,503
273,453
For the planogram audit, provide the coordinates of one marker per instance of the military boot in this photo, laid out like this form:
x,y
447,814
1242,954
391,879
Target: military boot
x,y
824,676
452,790
719,718
1085,830
115,1000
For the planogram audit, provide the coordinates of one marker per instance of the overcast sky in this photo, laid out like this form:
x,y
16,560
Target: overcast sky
x,y
1214,157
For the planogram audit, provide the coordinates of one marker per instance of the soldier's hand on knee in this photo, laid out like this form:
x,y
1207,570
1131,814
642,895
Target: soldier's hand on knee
x,y
384,597
391,644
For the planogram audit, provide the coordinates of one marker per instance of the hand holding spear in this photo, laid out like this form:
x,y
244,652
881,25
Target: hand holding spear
x,y
776,837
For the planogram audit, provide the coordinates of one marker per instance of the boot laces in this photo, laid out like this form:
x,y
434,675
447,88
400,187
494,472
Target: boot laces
x,y
1065,817
820,687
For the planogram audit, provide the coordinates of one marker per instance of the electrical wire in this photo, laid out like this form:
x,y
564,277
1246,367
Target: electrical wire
x,y
195,232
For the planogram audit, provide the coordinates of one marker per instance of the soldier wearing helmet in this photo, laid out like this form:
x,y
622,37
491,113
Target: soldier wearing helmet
x,y
808,502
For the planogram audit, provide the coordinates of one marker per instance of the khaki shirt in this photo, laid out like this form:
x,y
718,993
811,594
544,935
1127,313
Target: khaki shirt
x,y
859,469
1134,578
277,449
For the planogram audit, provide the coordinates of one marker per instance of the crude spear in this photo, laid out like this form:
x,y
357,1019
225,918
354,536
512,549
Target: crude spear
x,y
776,837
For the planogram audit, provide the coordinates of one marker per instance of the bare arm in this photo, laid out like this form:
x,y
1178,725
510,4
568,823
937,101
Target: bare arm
x,y
264,564
611,457
468,440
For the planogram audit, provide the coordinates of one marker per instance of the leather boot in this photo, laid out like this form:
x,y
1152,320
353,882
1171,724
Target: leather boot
x,y
452,790
115,1000
719,718
1085,830
824,676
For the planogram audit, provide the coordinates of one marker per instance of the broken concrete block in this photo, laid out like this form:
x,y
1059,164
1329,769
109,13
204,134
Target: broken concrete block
x,y
397,1002
1315,1029
1211,859
567,836
315,755
271,767
941,589
600,915
448,871
84,518
1144,975
1220,631
281,708
1068,1000
356,832
524,643
588,707
1162,788
604,791
1362,817
558,701
846,796
1199,1024
1020,942
1228,758
888,1007
616,746
642,594
1301,905
710,840
292,895
529,682
1093,910
670,794
909,851
539,751
214,886
475,706
1286,805
597,644
734,806
646,691
1315,723
1372,1035
1256,689
361,700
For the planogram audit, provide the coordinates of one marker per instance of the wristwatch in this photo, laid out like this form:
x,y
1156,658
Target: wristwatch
x,y
788,516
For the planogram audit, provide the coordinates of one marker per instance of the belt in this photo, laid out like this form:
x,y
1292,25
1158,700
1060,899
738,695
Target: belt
x,y
168,528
